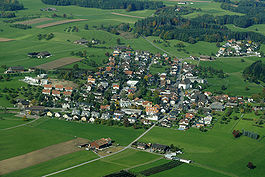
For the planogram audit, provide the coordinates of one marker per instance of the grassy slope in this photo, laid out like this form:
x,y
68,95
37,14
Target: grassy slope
x,y
234,82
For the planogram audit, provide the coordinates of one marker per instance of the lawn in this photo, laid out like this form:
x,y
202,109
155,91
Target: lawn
x,y
120,135
215,149
55,164
235,83
25,139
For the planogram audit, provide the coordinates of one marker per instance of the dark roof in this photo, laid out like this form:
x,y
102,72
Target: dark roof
x,y
16,68
160,146
44,53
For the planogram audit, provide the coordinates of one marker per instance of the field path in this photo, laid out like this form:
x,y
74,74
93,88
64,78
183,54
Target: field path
x,y
19,126
39,156
5,39
59,23
114,13
34,21
58,63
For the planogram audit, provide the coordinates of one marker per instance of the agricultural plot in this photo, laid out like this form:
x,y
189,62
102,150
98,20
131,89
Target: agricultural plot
x,y
234,83
58,63
34,21
41,155
9,120
59,23
126,15
55,164
215,150
5,39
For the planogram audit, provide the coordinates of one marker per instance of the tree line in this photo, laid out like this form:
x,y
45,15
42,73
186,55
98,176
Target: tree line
x,y
130,5
255,72
10,5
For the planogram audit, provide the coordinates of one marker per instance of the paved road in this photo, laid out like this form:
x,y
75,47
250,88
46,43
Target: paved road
x,y
90,161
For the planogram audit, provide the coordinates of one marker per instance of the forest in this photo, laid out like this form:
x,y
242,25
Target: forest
x,y
190,30
255,72
129,5
10,5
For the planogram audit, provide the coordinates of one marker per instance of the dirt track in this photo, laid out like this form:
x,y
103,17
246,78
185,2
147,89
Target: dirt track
x,y
58,63
59,23
41,155
5,39
34,21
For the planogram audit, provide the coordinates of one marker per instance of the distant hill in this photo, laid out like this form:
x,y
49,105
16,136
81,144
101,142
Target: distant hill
x,y
255,72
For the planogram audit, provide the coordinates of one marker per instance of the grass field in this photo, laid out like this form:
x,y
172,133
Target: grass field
x,y
120,135
10,120
112,164
215,150
55,164
234,82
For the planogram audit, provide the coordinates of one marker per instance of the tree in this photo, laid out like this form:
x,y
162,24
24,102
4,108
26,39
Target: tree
x,y
76,67
250,165
223,87
25,118
236,133
126,122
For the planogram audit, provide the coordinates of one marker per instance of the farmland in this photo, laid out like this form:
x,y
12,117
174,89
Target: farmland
x,y
8,120
59,23
58,63
36,20
234,82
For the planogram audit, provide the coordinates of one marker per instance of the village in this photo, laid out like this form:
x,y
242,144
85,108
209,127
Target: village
x,y
239,48
125,93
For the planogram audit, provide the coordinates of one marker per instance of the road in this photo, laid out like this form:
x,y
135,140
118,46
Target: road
x,y
102,157
20,125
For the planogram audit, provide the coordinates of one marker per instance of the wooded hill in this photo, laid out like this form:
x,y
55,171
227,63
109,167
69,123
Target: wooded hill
x,y
10,5
255,72
130,5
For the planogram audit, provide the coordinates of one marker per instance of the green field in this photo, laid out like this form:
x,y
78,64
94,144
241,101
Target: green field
x,y
120,135
260,28
115,163
10,120
55,164
215,150
234,82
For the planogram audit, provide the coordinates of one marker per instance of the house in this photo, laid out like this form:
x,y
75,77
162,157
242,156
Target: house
x,y
100,144
67,116
49,114
208,120
141,145
105,116
105,107
90,79
84,119
81,41
76,112
132,119
151,110
15,69
152,117
47,87
95,114
56,93
65,106
206,58
57,114
59,87
92,120
132,111
35,110
125,103
189,116
128,72
67,94
160,147
132,83
115,86
69,89
44,54
46,92
22,104
217,106
183,124
185,84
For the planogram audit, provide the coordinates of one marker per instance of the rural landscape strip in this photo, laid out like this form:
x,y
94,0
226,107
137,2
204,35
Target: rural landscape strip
x,y
20,125
34,21
84,163
58,63
59,23
114,13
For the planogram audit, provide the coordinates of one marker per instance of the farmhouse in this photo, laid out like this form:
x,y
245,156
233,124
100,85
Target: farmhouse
x,y
43,54
184,84
100,144
81,41
160,147
15,69
206,58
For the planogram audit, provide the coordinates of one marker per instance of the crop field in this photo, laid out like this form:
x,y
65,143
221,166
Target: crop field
x,y
59,23
5,39
34,21
58,63
41,155
234,82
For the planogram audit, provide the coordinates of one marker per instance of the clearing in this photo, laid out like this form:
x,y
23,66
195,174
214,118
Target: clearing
x,y
41,155
34,21
58,63
59,23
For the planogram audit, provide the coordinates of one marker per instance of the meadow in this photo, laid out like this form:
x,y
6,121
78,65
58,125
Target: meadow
x,y
235,83
8,120
215,150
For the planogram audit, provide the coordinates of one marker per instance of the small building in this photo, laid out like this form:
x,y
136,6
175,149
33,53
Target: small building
x,y
101,143
59,87
81,41
44,54
160,147
15,69
56,93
